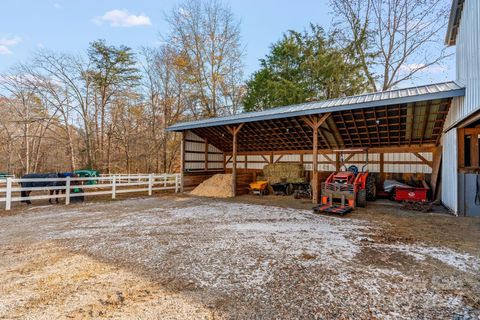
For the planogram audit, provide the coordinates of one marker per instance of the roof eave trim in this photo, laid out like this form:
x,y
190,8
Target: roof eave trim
x,y
450,40
424,97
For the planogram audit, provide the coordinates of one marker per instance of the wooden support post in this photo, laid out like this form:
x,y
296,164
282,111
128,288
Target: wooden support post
x,y
67,190
461,147
206,155
437,161
382,168
234,131
315,166
182,160
234,164
315,123
474,150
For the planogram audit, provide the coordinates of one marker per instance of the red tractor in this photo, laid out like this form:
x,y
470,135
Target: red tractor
x,y
345,190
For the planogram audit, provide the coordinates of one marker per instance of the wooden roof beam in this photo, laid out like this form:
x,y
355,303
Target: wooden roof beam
x,y
425,123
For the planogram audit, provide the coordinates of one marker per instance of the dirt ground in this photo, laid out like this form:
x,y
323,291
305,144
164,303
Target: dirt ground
x,y
182,257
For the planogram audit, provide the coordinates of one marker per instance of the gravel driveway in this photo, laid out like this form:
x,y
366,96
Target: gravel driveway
x,y
180,257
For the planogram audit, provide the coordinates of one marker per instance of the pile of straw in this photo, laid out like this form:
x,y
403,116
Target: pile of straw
x,y
217,186
283,172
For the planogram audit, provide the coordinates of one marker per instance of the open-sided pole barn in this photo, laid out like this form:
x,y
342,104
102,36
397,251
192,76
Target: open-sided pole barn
x,y
401,129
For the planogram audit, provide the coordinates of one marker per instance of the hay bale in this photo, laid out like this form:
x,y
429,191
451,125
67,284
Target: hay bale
x,y
283,172
217,186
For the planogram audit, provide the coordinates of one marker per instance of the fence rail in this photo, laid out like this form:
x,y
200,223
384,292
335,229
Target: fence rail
x,y
105,185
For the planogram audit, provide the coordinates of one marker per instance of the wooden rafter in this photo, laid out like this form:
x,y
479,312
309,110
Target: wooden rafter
x,y
344,129
303,130
334,133
356,128
376,125
366,126
422,158
425,121
412,120
388,125
399,125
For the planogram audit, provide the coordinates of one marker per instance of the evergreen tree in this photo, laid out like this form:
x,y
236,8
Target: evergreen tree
x,y
302,67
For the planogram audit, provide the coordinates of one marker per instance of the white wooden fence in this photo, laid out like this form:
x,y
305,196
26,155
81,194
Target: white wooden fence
x,y
10,189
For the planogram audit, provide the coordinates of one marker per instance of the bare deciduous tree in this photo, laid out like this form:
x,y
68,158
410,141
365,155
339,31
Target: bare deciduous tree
x,y
168,99
394,39
207,37
28,119
72,73
65,112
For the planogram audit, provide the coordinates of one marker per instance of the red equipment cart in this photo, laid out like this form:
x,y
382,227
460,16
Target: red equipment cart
x,y
405,193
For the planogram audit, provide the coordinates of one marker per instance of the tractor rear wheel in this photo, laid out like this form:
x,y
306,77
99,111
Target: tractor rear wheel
x,y
270,190
289,190
371,188
362,198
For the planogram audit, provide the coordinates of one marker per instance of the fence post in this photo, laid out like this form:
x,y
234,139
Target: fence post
x,y
165,180
176,183
150,184
67,190
114,187
8,195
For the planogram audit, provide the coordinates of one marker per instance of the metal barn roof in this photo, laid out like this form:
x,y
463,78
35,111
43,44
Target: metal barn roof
x,y
369,100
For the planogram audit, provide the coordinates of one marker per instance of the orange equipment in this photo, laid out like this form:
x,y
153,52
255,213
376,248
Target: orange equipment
x,y
350,187
259,187
346,186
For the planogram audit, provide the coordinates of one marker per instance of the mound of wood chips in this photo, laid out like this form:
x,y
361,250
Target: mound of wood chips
x,y
218,186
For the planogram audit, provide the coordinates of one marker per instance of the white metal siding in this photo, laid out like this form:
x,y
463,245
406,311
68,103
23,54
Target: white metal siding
x,y
189,135
258,162
468,62
449,171
467,74
195,151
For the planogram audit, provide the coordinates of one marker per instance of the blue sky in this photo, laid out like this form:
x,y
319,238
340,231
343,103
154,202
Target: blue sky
x,y
70,25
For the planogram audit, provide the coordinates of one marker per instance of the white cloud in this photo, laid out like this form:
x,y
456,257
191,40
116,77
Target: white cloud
x,y
57,5
122,18
5,50
436,68
7,42
10,41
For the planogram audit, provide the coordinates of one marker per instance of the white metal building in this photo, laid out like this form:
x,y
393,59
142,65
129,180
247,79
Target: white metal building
x,y
461,131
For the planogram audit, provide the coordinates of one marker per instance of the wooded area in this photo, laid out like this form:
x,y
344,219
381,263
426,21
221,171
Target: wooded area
x,y
109,107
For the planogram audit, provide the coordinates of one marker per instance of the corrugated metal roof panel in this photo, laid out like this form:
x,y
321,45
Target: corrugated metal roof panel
x,y
397,96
